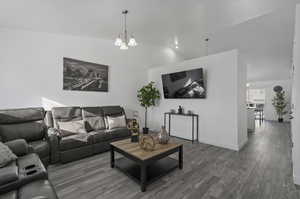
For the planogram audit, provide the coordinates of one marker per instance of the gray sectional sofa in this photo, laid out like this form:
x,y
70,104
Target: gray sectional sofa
x,y
30,124
34,135
72,147
40,129
25,177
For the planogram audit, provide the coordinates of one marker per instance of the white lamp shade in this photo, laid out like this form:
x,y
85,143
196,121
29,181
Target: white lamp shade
x,y
123,46
132,42
118,42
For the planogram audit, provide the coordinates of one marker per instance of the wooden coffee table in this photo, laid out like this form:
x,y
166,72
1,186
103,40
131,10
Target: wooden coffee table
x,y
142,166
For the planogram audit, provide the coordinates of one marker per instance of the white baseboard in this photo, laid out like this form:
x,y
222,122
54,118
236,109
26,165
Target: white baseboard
x,y
222,145
243,144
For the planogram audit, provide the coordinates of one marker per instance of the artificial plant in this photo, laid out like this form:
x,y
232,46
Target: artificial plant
x,y
147,96
279,102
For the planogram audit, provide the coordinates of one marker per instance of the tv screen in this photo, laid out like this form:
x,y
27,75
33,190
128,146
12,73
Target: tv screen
x,y
185,84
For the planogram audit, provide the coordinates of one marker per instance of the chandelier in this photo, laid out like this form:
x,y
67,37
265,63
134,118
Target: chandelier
x,y
122,40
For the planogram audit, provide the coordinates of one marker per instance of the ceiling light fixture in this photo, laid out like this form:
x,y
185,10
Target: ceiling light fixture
x,y
206,45
122,40
176,44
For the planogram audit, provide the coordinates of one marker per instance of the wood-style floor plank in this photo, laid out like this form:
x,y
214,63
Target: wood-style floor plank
x,y
262,169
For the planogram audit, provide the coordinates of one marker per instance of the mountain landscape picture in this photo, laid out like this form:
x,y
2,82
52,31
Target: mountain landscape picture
x,y
84,76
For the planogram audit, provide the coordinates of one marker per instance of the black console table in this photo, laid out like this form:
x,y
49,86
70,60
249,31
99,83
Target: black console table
x,y
193,116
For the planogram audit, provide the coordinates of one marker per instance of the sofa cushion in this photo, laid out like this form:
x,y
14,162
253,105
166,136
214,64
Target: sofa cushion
x,y
71,127
27,123
9,195
64,114
41,147
100,136
12,116
40,189
112,110
6,155
9,173
30,131
119,133
116,122
94,123
75,141
19,147
93,117
107,135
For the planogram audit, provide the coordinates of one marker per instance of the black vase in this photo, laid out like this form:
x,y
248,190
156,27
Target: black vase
x,y
145,130
180,110
135,138
280,120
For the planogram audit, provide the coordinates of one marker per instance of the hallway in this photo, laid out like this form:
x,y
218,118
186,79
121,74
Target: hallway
x,y
270,173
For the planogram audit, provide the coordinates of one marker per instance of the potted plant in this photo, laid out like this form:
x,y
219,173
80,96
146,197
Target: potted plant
x,y
279,102
147,97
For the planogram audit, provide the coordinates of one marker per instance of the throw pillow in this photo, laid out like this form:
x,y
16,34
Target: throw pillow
x,y
71,127
6,155
94,123
116,122
106,123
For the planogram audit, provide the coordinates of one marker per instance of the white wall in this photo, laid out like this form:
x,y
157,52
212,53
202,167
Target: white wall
x,y
241,87
296,101
31,66
269,111
219,112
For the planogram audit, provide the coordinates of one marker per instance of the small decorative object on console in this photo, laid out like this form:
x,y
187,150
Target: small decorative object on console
x,y
163,136
180,110
190,112
147,142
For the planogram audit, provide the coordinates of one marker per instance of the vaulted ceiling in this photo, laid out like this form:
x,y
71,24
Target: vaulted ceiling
x,y
261,29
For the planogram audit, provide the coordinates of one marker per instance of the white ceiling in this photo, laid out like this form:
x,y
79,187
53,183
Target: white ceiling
x,y
261,29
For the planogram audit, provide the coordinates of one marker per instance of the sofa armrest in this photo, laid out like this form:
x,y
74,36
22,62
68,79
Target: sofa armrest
x,y
53,138
19,147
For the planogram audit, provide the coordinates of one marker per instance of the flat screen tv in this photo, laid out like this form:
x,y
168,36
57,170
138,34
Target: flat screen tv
x,y
186,84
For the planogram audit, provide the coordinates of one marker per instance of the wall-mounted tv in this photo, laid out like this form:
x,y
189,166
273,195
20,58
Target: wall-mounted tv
x,y
185,84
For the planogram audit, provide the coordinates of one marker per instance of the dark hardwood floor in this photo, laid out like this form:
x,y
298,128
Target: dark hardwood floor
x,y
262,169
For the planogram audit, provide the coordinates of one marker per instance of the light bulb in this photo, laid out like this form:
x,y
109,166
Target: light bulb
x,y
118,41
123,46
132,42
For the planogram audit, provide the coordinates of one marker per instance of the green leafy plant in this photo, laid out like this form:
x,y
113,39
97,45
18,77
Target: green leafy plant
x,y
148,96
280,103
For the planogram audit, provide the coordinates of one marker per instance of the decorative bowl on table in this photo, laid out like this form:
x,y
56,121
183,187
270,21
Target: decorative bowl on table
x,y
147,142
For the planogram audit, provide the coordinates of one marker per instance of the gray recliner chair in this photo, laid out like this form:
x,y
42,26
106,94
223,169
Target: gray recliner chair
x,y
29,124
25,177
